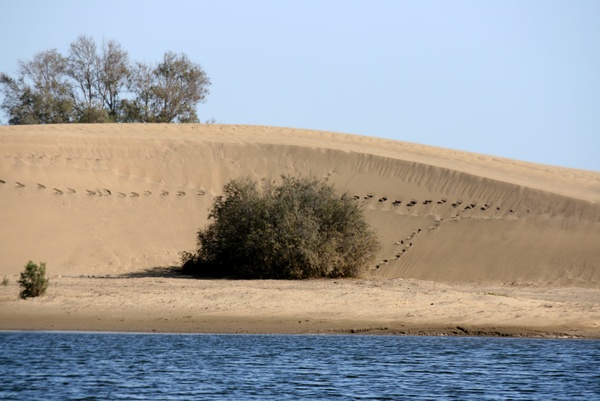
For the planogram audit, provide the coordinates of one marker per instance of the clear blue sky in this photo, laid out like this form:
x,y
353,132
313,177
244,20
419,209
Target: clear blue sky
x,y
519,79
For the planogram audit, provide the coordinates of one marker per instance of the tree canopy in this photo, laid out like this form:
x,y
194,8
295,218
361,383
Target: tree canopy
x,y
299,229
94,84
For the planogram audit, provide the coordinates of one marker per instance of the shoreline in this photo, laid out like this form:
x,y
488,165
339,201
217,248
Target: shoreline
x,y
176,304
518,332
417,331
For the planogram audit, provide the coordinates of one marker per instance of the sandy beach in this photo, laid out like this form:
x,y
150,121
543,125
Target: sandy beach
x,y
170,303
471,244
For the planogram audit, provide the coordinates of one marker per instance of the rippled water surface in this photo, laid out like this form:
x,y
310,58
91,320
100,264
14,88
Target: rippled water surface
x,y
277,367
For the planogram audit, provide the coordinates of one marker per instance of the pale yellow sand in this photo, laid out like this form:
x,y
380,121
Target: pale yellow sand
x,y
116,199
391,306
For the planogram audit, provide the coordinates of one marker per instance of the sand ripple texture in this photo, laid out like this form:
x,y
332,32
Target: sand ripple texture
x,y
114,199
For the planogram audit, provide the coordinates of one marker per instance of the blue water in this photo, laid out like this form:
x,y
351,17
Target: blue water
x,y
90,366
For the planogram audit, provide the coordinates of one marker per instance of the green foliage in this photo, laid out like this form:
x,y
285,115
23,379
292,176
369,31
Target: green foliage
x,y
299,229
41,94
33,280
95,84
166,92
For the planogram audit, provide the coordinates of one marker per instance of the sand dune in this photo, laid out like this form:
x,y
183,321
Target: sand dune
x,y
111,199
472,244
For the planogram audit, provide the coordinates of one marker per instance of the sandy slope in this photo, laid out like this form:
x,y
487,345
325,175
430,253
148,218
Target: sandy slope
x,y
471,243
111,199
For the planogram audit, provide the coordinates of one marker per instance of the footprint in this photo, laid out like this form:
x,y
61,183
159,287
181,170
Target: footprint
x,y
485,207
180,193
40,186
19,185
121,194
427,202
411,203
2,182
355,197
382,199
146,193
368,196
164,193
106,192
442,201
57,191
383,262
435,225
201,193
470,205
396,202
91,193
71,190
457,202
134,195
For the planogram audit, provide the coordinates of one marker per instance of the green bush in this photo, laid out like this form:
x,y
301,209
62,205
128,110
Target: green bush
x,y
299,229
33,280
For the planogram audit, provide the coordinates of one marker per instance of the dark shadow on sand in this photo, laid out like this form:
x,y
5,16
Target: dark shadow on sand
x,y
158,271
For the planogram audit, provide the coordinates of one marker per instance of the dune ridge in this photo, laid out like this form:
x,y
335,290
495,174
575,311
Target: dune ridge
x,y
112,199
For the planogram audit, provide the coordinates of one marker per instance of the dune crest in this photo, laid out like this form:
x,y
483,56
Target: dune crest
x,y
113,199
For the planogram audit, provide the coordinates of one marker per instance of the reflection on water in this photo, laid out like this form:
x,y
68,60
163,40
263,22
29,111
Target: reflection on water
x,y
275,367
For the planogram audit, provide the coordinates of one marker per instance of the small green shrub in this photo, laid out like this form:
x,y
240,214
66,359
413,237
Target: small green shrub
x,y
33,280
299,229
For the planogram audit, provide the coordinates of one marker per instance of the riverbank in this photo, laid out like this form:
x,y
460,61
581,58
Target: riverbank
x,y
160,301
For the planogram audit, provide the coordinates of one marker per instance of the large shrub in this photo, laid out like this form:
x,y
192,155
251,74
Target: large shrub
x,y
299,229
33,280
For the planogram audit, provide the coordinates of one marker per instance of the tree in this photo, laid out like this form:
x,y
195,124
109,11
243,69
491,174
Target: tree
x,y
82,67
19,101
140,109
112,77
168,92
299,229
180,85
41,94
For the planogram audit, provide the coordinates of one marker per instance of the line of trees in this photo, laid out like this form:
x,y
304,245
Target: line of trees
x,y
95,84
